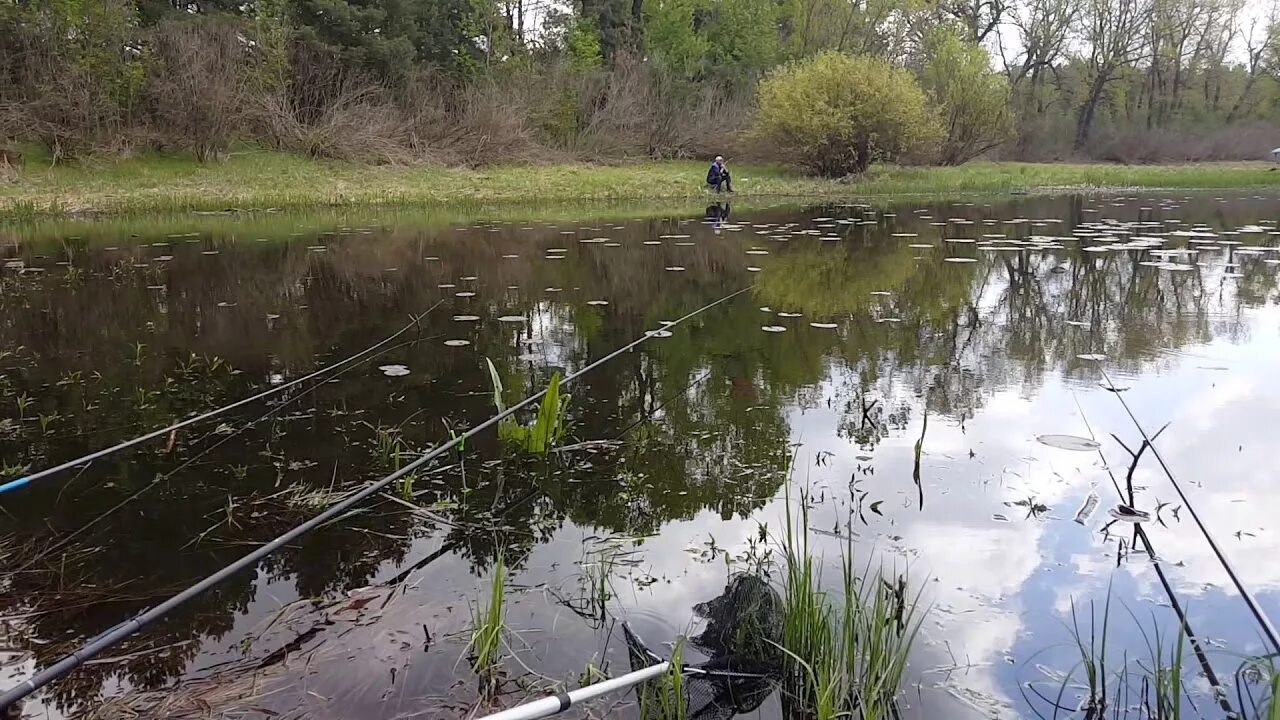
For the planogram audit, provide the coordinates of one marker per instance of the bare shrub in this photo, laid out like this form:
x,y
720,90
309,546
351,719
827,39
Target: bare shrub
x,y
637,108
75,79
355,124
325,111
1163,145
198,87
480,124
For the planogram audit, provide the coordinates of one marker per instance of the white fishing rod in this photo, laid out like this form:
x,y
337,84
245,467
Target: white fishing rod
x,y
85,459
127,628
561,701
558,703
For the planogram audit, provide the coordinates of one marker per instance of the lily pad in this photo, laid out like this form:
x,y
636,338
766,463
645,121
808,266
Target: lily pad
x,y
773,328
393,370
457,343
1068,442
823,326
1128,514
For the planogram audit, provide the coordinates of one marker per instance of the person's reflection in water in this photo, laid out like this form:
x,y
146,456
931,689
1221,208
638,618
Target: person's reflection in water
x,y
741,639
717,213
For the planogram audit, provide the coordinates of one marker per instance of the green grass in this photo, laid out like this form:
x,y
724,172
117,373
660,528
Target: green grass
x,y
663,698
488,623
1106,683
845,648
260,179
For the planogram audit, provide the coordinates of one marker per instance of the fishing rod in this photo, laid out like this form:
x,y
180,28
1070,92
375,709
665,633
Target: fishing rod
x,y
561,701
28,479
1263,621
66,540
115,634
1196,647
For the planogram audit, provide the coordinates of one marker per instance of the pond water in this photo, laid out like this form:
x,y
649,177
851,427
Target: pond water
x,y
907,366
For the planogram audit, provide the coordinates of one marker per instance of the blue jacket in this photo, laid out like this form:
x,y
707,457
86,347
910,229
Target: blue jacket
x,y
714,174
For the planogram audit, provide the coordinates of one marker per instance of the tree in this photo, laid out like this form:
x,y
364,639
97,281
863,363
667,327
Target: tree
x,y
972,101
671,32
392,37
619,24
1114,34
836,113
979,17
743,37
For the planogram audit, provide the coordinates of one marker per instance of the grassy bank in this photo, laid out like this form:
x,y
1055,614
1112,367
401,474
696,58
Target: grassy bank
x,y
257,180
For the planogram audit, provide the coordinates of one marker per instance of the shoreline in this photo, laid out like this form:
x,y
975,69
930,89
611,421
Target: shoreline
x,y
263,181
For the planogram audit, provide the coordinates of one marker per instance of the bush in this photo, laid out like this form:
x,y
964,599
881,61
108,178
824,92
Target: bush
x,y
70,73
836,113
971,101
198,88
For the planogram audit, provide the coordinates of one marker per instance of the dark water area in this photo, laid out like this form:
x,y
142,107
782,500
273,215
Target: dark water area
x,y
969,330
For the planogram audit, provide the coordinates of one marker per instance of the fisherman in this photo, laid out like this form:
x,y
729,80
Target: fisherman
x,y
718,177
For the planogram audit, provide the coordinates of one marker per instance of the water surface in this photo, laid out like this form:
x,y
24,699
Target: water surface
x,y
969,328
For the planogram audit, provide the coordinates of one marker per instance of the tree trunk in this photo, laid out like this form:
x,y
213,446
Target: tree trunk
x,y
1084,124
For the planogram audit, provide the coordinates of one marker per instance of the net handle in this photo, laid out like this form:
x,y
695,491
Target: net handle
x,y
558,703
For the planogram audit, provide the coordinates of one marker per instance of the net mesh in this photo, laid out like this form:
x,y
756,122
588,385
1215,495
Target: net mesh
x,y
742,628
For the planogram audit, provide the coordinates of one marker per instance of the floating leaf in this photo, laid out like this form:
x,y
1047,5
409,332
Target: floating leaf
x,y
823,326
457,343
1068,442
773,328
393,370
1128,514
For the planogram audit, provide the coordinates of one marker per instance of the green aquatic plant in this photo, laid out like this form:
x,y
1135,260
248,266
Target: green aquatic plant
x,y
1098,684
845,649
488,624
1262,672
1093,656
664,697
1163,686
548,427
